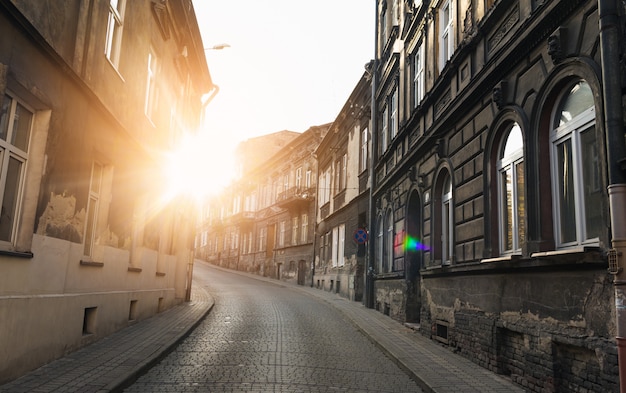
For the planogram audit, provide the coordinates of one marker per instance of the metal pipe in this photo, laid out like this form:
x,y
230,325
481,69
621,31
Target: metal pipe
x,y
616,152
369,278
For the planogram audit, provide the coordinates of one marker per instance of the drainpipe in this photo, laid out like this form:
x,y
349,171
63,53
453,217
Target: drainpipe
x,y
616,153
369,270
214,90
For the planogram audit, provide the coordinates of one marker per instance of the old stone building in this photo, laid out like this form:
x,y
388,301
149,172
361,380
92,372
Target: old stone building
x,y
264,222
342,212
491,220
92,95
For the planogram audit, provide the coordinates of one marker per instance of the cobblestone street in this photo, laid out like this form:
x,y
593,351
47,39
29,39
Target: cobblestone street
x,y
265,337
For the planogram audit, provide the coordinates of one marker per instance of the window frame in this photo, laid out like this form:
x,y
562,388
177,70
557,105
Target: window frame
x,y
8,151
503,165
418,74
115,30
364,152
571,132
446,33
152,94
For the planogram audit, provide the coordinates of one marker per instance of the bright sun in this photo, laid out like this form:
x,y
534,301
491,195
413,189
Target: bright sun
x,y
200,166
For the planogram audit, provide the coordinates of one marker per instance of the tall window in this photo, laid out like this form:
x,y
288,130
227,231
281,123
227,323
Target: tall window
x,y
576,182
263,239
294,230
115,25
383,130
363,156
304,231
15,130
393,115
446,33
443,219
447,222
93,206
282,228
388,243
418,75
511,179
151,86
307,178
379,244
339,240
298,177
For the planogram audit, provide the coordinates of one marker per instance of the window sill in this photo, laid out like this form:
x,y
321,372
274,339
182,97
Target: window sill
x,y
160,274
558,260
17,254
388,276
91,263
512,257
569,251
134,269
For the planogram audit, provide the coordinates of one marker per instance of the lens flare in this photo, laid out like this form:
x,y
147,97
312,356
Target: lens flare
x,y
414,244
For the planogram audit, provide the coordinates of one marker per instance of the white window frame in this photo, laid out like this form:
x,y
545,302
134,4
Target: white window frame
x,y
418,75
380,244
572,131
509,164
115,28
393,114
446,33
282,228
298,177
388,242
304,231
364,149
335,247
9,151
294,230
447,221
152,93
384,130
93,208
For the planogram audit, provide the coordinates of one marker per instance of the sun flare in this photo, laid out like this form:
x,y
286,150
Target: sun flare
x,y
200,166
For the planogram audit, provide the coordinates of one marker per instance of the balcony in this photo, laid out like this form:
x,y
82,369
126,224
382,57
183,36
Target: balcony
x,y
295,198
242,218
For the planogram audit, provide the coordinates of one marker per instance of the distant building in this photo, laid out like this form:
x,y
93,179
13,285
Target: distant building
x,y
92,93
343,197
492,220
265,221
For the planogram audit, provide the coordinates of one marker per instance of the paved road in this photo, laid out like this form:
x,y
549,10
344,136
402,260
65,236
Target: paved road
x,y
264,337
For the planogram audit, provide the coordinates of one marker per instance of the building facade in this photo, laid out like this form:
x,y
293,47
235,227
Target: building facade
x,y
342,212
92,96
264,222
491,219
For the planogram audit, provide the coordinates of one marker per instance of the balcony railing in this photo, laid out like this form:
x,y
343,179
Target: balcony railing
x,y
242,218
296,197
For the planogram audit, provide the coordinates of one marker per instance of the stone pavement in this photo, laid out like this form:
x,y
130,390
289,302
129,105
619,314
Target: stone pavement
x,y
117,360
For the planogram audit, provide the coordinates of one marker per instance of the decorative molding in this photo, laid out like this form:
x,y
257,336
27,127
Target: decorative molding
x,y
509,21
498,94
159,10
556,42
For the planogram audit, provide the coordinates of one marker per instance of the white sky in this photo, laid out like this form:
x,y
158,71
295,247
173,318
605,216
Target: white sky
x,y
292,64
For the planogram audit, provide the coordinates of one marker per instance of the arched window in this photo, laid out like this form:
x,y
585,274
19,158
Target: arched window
x,y
447,221
511,180
388,246
576,182
379,245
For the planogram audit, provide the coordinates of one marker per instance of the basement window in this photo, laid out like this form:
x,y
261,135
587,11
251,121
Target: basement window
x,y
89,320
441,331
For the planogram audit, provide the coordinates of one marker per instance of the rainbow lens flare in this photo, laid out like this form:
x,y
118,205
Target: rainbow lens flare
x,y
414,244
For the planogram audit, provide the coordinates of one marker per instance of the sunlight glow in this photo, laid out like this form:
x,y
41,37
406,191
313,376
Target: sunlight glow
x,y
200,166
